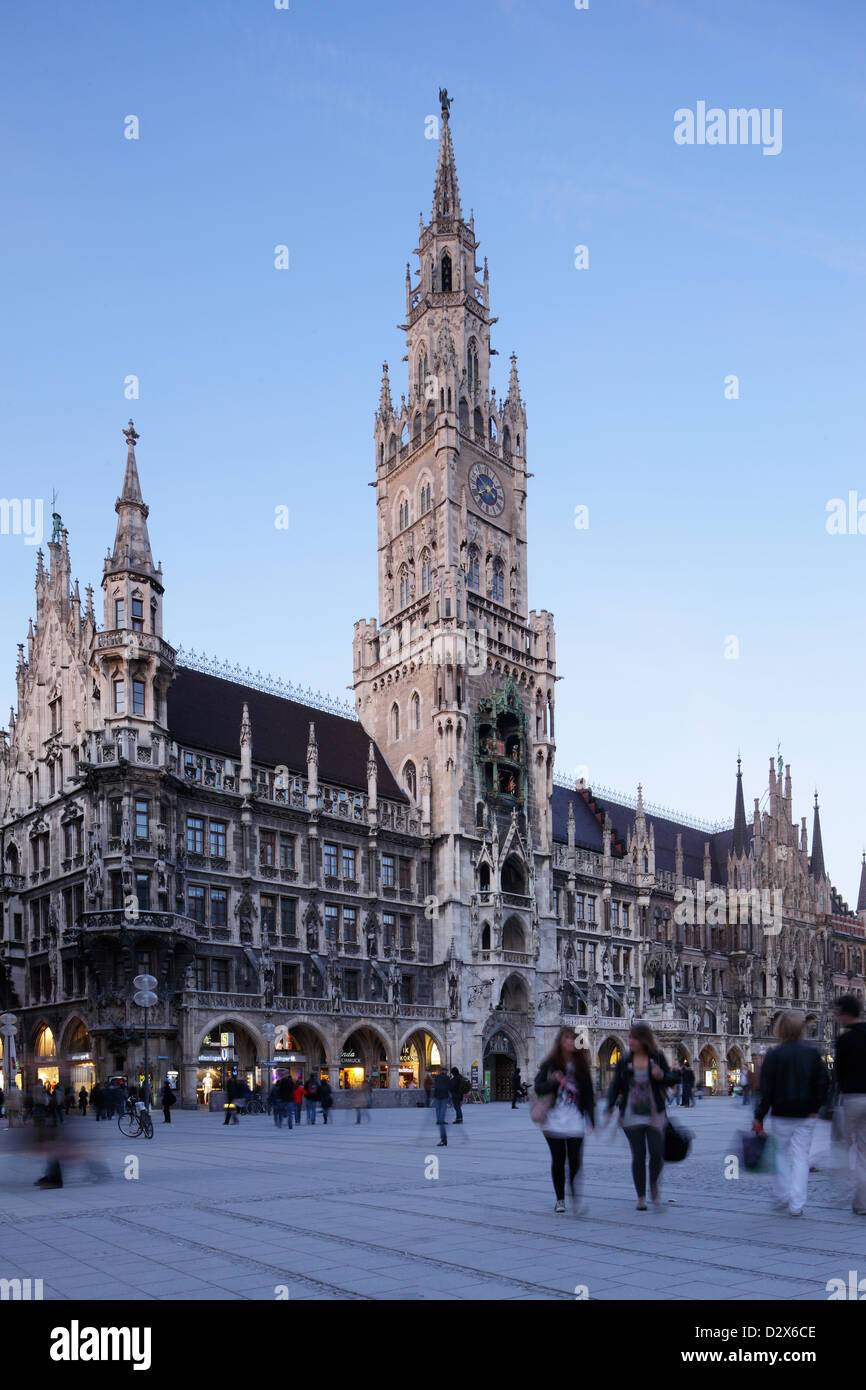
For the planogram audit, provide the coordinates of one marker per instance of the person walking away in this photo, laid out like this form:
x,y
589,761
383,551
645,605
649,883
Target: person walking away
x,y
676,1091
441,1097
233,1090
638,1093
275,1105
82,1100
516,1087
428,1089
794,1086
326,1099
565,1076
285,1098
458,1090
298,1094
851,1080
687,1083
311,1095
167,1100
68,1099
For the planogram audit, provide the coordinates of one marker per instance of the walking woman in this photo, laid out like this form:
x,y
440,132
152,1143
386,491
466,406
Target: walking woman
x,y
565,1077
638,1093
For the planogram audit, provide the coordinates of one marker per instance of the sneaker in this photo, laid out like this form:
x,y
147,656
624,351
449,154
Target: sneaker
x,y
641,1206
559,1209
795,1211
443,1144
48,1182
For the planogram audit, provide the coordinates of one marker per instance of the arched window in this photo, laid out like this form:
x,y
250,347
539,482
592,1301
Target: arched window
x,y
416,426
463,414
478,420
506,442
498,588
403,514
426,572
404,436
395,722
446,273
404,586
424,499
392,446
410,780
485,937
472,365
491,430
473,569
381,454
416,711
422,372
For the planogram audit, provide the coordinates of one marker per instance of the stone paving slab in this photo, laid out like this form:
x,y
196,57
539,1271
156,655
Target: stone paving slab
x,y
346,1212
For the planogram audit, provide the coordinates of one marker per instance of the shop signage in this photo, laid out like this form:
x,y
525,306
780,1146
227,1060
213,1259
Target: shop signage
x,y
209,1057
81,1056
474,1077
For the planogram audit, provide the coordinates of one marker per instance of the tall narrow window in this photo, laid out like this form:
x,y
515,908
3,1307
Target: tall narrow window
x,y
416,712
426,573
410,780
137,615
473,577
498,591
404,587
119,698
119,612
138,697
472,365
446,274
395,721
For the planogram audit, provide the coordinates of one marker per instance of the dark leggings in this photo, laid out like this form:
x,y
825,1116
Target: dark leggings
x,y
641,1137
559,1147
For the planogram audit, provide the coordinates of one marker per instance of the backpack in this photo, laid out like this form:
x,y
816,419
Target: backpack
x,y
465,1085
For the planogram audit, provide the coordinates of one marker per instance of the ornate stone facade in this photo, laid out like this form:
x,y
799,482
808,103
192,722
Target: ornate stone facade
x,y
406,886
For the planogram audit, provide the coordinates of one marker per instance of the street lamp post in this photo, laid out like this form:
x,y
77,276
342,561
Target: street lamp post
x,y
144,996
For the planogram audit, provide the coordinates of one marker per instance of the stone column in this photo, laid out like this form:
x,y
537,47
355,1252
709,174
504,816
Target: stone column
x,y
187,1084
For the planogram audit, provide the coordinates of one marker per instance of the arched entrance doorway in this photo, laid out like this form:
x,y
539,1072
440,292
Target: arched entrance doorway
x,y
309,1047
608,1055
227,1049
45,1052
500,1064
78,1054
419,1055
736,1068
363,1056
708,1075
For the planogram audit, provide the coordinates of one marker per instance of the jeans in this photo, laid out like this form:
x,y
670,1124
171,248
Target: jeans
x,y
560,1148
641,1138
854,1118
298,1108
311,1112
793,1142
458,1110
441,1112
279,1110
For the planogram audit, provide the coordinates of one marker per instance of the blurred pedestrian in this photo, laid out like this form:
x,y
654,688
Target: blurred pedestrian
x,y
516,1088
298,1095
428,1089
311,1095
326,1099
285,1098
564,1076
794,1086
637,1092
851,1079
167,1100
82,1100
441,1097
459,1087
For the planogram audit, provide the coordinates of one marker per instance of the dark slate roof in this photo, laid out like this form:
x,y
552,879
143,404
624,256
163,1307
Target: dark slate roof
x,y
588,834
205,712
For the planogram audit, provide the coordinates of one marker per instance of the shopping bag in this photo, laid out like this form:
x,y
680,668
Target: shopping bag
x,y
758,1152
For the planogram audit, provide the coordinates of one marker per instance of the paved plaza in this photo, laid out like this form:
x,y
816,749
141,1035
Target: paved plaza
x,y
346,1212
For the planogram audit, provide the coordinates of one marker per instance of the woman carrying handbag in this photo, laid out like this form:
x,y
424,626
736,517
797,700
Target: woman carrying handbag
x,y
638,1093
565,1110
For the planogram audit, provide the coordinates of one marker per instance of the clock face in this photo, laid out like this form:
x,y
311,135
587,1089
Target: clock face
x,y
487,490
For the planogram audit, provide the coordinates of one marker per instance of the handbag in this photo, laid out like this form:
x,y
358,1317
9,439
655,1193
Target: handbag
x,y
540,1109
758,1151
677,1143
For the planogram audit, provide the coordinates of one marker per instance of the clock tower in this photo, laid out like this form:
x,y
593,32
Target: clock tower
x,y
455,681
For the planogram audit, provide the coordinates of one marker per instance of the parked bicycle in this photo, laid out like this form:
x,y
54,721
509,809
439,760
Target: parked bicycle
x,y
135,1120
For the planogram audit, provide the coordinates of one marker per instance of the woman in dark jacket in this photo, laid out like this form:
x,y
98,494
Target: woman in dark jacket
x,y
564,1075
638,1093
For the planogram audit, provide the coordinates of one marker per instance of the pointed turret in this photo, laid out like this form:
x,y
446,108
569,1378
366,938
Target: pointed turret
x,y
131,543
817,861
861,896
386,408
446,194
739,844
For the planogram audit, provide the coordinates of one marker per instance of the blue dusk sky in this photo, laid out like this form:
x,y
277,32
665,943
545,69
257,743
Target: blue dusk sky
x,y
305,126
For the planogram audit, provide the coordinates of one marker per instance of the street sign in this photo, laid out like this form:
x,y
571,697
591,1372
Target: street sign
x,y
224,1053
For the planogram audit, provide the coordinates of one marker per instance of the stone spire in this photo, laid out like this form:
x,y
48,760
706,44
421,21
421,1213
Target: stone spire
x,y
739,845
817,863
131,543
446,195
386,408
861,896
514,383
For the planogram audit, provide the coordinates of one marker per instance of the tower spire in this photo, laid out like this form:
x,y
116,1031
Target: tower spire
x,y
861,896
739,845
131,542
446,195
817,863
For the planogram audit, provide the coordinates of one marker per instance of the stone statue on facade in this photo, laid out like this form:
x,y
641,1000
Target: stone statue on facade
x,y
244,913
161,875
95,870
453,991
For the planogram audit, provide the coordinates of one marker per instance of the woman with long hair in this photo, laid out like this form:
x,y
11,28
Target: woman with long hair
x,y
564,1076
638,1093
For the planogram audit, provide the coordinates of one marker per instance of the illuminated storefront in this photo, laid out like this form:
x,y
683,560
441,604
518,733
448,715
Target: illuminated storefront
x,y
45,1051
79,1055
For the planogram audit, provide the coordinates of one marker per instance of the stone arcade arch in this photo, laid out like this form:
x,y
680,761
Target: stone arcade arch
x,y
708,1069
608,1055
211,1072
420,1053
363,1054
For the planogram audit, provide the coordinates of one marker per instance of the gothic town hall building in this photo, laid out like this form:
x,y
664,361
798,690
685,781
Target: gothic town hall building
x,y
374,892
